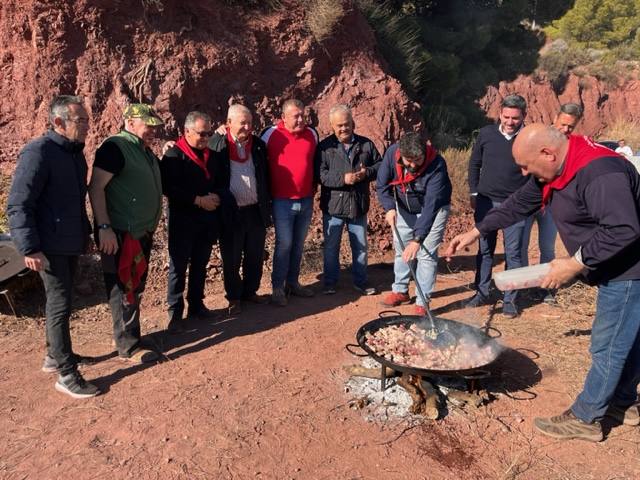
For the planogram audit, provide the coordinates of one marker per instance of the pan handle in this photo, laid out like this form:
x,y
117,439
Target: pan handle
x,y
495,333
348,347
389,313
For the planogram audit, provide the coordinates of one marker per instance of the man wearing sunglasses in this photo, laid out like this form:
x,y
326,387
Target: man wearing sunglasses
x,y
49,226
194,184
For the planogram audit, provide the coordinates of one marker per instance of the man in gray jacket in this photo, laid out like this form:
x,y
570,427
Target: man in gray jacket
x,y
49,226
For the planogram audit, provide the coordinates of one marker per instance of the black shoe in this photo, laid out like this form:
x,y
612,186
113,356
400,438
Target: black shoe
x,y
175,327
75,386
477,300
509,310
550,297
298,290
366,290
51,366
329,290
200,313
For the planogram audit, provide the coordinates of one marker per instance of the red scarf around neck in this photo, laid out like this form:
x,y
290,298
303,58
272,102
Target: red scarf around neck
x,y
582,151
188,151
233,148
404,176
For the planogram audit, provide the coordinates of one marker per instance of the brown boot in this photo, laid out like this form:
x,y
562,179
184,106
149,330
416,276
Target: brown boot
x,y
567,426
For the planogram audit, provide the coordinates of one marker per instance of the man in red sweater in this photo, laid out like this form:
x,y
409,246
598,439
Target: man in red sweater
x,y
291,146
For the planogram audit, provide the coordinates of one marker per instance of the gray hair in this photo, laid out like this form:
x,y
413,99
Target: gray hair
x,y
572,109
292,102
193,117
236,109
59,106
340,108
411,145
514,101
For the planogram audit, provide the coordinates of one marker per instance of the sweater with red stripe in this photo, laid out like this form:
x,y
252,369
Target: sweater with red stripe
x,y
290,161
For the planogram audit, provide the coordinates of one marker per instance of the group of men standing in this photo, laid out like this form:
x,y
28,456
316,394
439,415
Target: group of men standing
x,y
227,185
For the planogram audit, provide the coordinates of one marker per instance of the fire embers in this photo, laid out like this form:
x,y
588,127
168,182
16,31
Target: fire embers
x,y
412,347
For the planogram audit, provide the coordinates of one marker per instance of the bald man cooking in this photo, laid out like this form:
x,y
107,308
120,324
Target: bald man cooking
x,y
594,197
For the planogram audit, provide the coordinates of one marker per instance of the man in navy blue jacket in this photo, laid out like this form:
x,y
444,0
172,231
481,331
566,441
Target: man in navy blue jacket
x,y
593,195
415,191
493,176
49,226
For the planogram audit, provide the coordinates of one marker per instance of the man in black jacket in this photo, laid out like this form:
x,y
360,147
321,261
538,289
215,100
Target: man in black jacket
x,y
194,182
49,226
347,163
249,211
493,176
594,197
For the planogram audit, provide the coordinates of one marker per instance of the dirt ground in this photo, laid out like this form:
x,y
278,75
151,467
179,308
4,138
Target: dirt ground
x,y
263,396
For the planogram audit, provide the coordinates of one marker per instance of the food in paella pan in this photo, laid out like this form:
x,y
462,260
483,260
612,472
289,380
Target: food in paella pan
x,y
412,347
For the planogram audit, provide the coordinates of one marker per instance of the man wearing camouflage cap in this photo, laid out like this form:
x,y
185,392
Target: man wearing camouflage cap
x,y
126,197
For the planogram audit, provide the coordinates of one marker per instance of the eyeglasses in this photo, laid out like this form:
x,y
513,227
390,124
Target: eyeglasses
x,y
204,134
83,121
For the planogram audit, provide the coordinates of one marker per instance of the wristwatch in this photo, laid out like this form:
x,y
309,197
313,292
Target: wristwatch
x,y
104,226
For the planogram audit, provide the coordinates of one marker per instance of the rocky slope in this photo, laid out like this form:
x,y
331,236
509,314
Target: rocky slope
x,y
186,54
603,104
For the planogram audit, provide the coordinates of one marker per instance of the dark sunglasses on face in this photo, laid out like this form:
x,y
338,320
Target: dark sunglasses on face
x,y
203,134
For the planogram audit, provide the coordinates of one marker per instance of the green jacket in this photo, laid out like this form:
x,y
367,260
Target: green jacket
x,y
134,195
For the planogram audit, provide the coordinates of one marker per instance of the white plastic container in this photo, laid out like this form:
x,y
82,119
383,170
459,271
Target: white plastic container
x,y
525,277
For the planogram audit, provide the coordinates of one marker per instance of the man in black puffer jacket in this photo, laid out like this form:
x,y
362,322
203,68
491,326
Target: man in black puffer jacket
x,y
347,163
49,226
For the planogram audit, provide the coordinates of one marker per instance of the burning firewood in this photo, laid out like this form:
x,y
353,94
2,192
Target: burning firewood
x,y
459,398
423,394
359,371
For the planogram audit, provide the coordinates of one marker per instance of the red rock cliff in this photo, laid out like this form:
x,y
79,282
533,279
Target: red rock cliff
x,y
182,55
602,104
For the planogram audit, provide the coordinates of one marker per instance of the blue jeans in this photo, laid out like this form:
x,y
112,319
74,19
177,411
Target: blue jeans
x,y
547,233
615,351
484,259
291,219
357,228
426,262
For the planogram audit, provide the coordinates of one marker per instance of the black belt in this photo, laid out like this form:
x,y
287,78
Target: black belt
x,y
248,207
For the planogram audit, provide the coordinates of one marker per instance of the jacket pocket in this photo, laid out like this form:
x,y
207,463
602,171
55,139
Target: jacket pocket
x,y
339,203
69,227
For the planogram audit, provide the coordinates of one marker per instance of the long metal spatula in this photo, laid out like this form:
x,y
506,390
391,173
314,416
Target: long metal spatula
x,y
432,332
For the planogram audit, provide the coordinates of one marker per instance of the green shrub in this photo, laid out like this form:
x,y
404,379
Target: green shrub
x,y
623,128
458,166
5,186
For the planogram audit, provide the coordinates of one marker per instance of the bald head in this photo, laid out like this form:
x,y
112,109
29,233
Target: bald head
x,y
539,150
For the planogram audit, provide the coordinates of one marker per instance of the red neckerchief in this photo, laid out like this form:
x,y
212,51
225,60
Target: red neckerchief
x,y
188,151
582,151
131,266
402,179
233,148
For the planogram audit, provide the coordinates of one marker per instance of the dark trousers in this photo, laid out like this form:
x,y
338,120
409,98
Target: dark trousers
x,y
243,246
512,249
190,245
125,314
57,277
